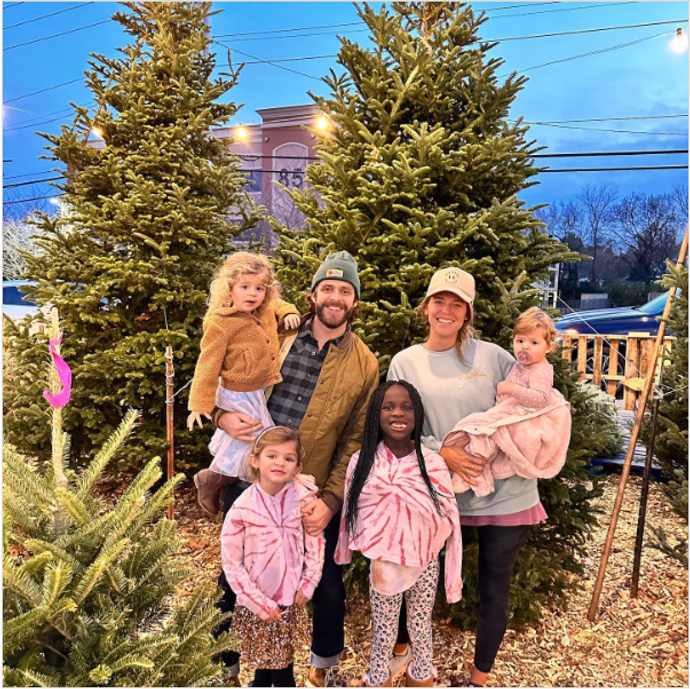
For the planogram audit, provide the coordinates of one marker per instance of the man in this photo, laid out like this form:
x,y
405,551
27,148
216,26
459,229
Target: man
x,y
329,375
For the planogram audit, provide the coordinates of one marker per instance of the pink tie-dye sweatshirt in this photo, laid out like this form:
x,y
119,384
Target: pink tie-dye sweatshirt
x,y
397,520
267,555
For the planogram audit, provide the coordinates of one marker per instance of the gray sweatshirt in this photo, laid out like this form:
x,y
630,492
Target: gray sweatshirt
x,y
451,390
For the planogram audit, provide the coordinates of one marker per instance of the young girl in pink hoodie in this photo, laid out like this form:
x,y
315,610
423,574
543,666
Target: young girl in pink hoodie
x,y
269,560
399,512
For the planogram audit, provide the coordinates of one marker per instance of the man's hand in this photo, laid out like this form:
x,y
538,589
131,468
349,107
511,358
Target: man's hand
x,y
300,599
292,321
239,426
462,463
505,388
274,616
195,417
315,516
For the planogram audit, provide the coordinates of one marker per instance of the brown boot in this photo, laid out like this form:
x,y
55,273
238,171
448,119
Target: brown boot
x,y
316,677
387,683
412,682
208,487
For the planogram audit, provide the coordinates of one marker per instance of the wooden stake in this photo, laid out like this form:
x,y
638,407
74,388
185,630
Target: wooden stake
x,y
643,503
169,411
634,434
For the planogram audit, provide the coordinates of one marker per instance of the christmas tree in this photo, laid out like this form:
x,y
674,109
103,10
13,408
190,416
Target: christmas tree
x,y
671,440
145,223
90,587
421,170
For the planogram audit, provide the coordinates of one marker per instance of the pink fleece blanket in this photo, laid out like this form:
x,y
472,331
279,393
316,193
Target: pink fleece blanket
x,y
530,441
398,521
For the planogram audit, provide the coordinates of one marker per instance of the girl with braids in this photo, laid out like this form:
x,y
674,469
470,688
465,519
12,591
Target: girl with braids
x,y
399,511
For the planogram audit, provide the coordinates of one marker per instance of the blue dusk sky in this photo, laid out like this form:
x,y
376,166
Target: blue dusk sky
x,y
645,78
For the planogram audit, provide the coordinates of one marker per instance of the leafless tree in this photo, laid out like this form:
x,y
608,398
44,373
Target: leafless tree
x,y
597,202
647,228
563,221
18,232
680,196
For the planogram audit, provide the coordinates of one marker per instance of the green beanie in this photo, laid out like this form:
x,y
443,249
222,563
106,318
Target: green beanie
x,y
338,266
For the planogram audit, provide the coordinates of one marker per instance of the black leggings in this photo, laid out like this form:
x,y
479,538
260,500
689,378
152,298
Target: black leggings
x,y
498,551
275,678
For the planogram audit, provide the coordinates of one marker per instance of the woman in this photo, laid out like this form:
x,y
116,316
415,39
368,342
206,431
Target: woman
x,y
457,375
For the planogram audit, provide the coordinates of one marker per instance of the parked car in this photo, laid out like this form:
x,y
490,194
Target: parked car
x,y
16,304
615,321
623,321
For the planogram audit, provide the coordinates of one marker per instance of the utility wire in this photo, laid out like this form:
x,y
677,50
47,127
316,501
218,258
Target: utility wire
x,y
49,88
612,119
249,157
269,62
588,54
605,129
29,174
565,9
45,16
55,35
12,4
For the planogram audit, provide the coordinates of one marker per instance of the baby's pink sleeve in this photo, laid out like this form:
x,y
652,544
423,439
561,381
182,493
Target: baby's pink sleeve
x,y
540,384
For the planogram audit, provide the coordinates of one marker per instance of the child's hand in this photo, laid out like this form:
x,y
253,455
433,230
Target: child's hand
x,y
195,417
274,616
292,321
505,388
300,599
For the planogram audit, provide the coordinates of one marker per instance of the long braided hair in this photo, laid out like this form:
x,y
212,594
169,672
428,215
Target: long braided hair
x,y
372,437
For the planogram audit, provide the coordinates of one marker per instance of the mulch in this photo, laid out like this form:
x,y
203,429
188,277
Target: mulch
x,y
632,643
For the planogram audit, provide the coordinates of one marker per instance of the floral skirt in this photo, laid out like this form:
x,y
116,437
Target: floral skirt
x,y
271,645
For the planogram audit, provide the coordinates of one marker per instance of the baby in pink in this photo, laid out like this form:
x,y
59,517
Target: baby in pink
x,y
527,432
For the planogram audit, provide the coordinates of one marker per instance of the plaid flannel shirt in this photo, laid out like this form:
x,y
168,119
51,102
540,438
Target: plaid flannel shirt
x,y
301,369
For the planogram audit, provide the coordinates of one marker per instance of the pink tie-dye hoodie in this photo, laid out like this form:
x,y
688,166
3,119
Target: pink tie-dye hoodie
x,y
397,520
267,555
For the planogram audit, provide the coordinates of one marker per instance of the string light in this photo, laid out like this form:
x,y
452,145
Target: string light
x,y
97,132
241,133
680,43
322,123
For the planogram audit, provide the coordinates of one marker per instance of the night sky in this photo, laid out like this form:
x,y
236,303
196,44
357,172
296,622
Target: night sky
x,y
639,80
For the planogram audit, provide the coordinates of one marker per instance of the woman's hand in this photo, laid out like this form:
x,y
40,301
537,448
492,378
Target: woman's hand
x,y
300,599
291,321
464,464
195,417
239,426
505,388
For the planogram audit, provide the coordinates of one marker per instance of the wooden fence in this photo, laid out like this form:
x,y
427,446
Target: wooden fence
x,y
609,360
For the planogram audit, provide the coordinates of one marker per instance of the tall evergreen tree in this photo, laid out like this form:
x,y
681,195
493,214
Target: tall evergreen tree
x,y
146,222
91,589
671,440
421,170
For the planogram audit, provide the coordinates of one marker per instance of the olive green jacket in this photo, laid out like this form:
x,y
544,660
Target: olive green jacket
x,y
332,428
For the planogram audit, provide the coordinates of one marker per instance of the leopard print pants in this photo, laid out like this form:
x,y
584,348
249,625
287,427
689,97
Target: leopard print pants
x,y
385,612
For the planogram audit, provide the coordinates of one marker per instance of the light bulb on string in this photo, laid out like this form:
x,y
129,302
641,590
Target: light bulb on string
x,y
241,132
680,43
322,123
97,132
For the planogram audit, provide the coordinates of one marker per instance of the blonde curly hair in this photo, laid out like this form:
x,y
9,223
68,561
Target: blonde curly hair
x,y
233,269
535,319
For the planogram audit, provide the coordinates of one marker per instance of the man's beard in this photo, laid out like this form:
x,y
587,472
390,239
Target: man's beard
x,y
331,320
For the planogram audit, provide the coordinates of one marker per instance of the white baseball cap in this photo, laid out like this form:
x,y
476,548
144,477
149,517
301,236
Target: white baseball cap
x,y
453,280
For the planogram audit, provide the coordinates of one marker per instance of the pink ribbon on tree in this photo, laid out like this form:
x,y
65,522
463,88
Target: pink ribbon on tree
x,y
61,398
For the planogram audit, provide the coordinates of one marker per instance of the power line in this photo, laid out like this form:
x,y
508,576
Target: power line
x,y
29,174
35,198
606,129
270,62
612,119
12,4
55,35
587,54
578,154
565,9
37,124
45,16
49,88
620,169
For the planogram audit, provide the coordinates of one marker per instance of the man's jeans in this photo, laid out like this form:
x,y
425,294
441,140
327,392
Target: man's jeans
x,y
328,639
